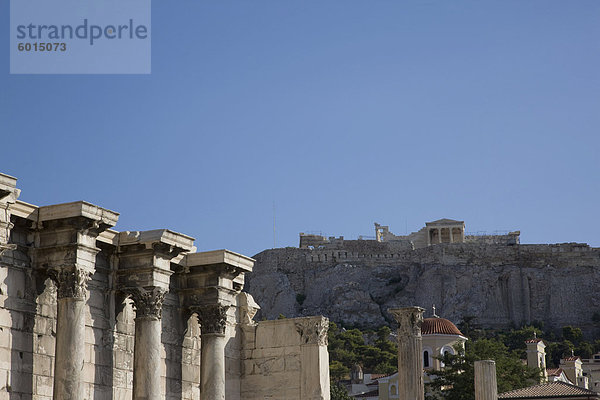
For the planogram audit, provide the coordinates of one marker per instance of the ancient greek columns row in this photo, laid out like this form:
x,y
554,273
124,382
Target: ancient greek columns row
x,y
207,283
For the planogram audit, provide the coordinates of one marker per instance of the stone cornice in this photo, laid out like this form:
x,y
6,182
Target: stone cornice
x,y
84,209
219,258
149,238
24,210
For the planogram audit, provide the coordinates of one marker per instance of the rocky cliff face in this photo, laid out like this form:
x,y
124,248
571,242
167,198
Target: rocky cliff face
x,y
500,286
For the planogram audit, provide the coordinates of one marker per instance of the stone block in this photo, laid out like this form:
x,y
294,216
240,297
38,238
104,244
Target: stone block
x,y
123,360
43,385
5,359
122,394
42,365
190,373
22,341
278,333
120,378
44,344
5,337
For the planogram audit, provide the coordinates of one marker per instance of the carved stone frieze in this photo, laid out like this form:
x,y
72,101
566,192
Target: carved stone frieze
x,y
147,302
212,318
313,330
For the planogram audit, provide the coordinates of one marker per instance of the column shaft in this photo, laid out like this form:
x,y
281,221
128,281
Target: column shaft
x,y
410,350
70,348
146,364
146,354
212,375
486,387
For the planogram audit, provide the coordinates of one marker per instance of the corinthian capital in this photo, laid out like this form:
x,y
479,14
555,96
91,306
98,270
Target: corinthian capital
x,y
70,282
147,302
313,330
409,320
213,318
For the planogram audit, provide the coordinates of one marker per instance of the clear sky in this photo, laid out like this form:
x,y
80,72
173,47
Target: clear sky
x,y
342,113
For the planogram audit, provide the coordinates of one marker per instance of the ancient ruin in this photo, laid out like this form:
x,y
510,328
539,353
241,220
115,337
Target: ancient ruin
x,y
493,279
88,312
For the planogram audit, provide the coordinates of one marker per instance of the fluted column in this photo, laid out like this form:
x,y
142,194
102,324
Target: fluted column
x,y
213,321
146,354
410,349
486,387
70,332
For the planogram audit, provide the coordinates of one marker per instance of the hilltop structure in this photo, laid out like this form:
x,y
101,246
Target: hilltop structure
x,y
491,278
88,312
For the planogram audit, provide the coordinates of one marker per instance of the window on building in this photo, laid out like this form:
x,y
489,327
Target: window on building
x,y
426,359
393,390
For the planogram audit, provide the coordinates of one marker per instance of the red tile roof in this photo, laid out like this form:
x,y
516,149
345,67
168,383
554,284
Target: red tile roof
x,y
533,341
554,371
550,390
440,326
571,358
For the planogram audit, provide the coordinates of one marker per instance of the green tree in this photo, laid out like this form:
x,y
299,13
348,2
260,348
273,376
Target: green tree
x,y
338,371
572,334
515,339
558,350
337,392
584,350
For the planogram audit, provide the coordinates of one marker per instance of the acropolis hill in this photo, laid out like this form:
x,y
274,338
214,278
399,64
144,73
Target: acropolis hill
x,y
493,278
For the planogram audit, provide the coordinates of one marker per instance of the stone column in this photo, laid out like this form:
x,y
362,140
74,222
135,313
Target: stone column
x,y
213,320
486,387
146,356
439,235
410,349
70,332
450,230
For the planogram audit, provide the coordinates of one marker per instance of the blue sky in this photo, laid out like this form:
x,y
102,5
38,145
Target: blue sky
x,y
342,113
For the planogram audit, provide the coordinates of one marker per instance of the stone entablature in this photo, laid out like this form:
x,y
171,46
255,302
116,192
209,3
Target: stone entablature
x,y
90,312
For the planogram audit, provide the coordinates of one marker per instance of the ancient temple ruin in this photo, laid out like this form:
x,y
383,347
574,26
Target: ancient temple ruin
x,y
88,312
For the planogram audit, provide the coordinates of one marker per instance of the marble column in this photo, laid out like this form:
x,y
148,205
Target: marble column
x,y
146,356
70,332
486,387
213,321
410,349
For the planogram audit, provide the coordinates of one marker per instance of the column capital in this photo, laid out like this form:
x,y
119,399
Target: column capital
x,y
409,320
313,330
147,302
70,282
212,318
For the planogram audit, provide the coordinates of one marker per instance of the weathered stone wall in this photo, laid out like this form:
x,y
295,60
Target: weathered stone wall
x,y
499,286
286,359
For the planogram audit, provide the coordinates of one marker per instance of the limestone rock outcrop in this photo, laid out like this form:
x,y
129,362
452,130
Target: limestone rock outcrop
x,y
498,285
